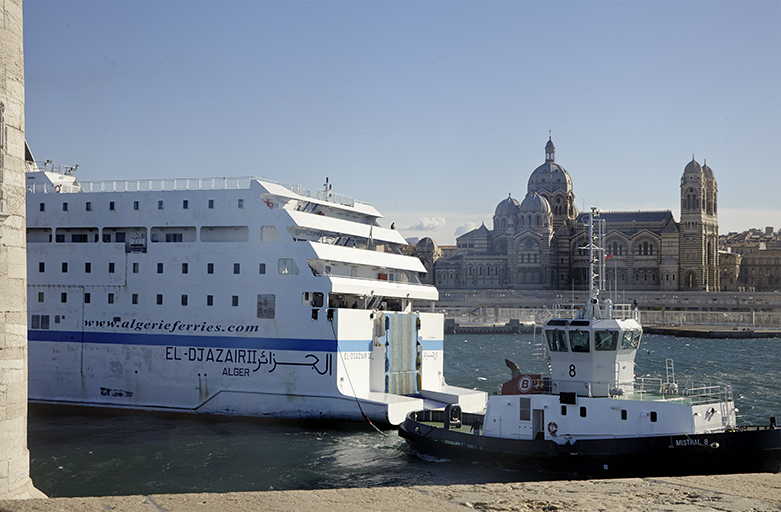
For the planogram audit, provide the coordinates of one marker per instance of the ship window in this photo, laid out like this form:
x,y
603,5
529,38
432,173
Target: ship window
x,y
210,268
211,204
653,416
579,340
106,238
237,268
287,266
582,412
605,340
135,268
87,267
60,239
111,268
563,410
89,206
134,298
241,203
44,321
111,298
111,205
631,339
173,237
86,298
40,296
35,322
266,305
185,204
65,207
42,207
315,314
159,299
79,239
160,205
41,266
525,406
120,237
262,268
135,205
623,414
210,300
159,268
557,340
235,301
64,267
184,300
270,234
185,268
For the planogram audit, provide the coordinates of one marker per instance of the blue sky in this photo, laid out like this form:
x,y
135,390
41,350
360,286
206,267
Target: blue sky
x,y
431,111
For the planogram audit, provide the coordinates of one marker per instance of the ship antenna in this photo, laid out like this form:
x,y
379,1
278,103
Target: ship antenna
x,y
595,261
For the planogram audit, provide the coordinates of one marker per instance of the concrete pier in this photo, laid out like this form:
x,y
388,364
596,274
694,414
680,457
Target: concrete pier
x,y
736,493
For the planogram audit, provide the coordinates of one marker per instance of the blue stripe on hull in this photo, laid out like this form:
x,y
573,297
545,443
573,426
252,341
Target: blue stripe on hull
x,y
170,340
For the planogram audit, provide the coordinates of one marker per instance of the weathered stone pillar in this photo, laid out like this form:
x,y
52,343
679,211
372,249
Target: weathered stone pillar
x,y
14,457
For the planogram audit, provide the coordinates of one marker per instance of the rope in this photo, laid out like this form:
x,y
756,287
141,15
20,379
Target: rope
x,y
350,381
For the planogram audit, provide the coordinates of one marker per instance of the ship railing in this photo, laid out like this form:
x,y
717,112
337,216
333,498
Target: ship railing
x,y
653,389
333,197
161,185
709,394
614,311
48,188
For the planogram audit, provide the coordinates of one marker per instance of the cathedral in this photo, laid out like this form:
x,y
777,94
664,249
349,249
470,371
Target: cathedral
x,y
539,242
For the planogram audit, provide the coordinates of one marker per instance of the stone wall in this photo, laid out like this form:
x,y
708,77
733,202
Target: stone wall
x,y
14,457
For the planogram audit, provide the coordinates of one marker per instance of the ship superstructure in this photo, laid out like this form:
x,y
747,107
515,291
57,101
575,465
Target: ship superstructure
x,y
238,296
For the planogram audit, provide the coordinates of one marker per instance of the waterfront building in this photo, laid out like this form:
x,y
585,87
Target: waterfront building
x,y
539,242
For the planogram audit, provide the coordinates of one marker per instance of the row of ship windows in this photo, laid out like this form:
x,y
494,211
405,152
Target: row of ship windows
x,y
525,409
134,299
624,414
136,205
283,265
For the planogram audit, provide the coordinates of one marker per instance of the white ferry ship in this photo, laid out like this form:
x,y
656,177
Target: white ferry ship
x,y
235,296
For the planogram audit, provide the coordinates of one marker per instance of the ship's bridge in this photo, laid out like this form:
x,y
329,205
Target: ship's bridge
x,y
593,353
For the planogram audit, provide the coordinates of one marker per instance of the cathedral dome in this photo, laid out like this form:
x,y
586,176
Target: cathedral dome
x,y
550,176
507,208
535,203
692,168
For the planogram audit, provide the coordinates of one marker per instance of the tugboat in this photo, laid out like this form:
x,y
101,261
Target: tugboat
x,y
592,415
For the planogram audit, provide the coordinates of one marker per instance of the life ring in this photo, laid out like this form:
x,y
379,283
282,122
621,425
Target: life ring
x,y
57,188
553,428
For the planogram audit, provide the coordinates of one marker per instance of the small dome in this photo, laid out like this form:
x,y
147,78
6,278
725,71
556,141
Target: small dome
x,y
692,167
535,203
550,147
707,171
426,245
507,208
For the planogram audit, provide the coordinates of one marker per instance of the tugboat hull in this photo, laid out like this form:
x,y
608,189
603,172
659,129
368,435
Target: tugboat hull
x,y
748,450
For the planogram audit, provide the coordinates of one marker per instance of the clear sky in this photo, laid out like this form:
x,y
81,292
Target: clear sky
x,y
431,111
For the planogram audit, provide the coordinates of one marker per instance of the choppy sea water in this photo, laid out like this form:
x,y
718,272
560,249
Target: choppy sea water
x,y
74,453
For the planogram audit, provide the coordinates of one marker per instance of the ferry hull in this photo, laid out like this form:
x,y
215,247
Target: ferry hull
x,y
750,450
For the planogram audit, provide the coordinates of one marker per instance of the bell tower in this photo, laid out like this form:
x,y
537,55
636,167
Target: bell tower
x,y
699,233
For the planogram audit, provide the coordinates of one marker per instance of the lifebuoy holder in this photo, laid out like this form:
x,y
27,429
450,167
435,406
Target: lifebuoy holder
x,y
553,428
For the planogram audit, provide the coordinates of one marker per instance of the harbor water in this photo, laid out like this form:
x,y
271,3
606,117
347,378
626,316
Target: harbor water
x,y
79,453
